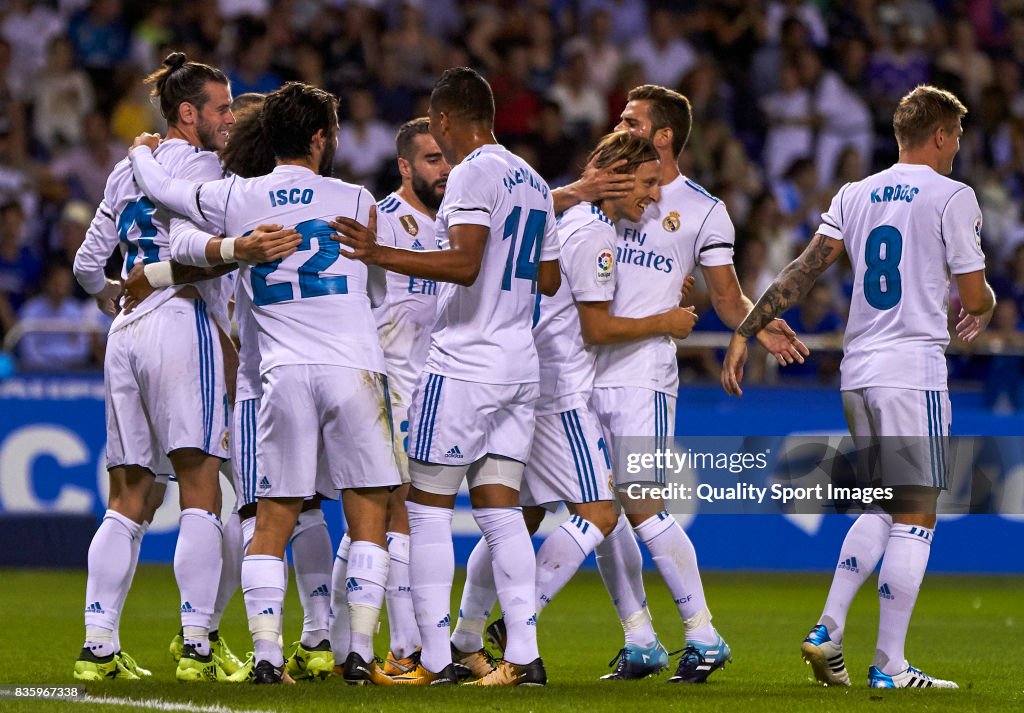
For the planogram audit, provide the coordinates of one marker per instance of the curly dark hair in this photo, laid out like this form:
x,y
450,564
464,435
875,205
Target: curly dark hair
x,y
293,114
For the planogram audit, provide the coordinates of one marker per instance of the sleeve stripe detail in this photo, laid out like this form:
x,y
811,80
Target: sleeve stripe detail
x,y
199,204
715,246
105,212
831,225
700,230
470,210
943,213
227,199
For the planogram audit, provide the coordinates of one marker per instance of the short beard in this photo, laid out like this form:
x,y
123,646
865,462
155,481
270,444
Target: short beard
x,y
426,192
327,164
208,138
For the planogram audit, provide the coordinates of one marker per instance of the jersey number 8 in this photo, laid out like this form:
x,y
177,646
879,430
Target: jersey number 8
x,y
882,255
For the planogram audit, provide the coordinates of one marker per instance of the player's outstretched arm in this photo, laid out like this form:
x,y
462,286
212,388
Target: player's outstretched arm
x,y
144,280
732,306
599,326
595,184
459,264
788,288
977,300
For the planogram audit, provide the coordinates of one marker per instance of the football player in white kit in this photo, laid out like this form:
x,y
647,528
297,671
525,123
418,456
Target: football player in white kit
x,y
248,155
405,220
636,385
569,461
906,230
473,409
325,395
164,376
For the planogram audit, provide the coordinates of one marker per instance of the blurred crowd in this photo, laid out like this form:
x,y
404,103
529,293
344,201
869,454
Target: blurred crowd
x,y
791,99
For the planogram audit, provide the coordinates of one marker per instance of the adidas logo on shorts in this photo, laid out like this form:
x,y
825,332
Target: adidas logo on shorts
x,y
454,452
264,483
321,591
447,621
884,593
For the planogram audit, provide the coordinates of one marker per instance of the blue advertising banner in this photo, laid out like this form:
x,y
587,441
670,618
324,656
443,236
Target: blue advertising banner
x,y
52,462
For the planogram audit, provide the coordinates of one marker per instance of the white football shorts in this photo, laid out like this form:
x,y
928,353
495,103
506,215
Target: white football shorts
x,y
569,461
456,423
164,382
901,435
323,419
634,420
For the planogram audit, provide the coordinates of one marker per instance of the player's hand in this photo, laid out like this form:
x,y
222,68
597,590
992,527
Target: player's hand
x,y
970,325
108,299
597,184
688,284
360,239
267,243
146,139
732,367
136,287
782,343
680,321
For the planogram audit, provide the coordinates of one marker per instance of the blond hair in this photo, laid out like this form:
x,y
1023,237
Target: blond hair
x,y
922,111
621,145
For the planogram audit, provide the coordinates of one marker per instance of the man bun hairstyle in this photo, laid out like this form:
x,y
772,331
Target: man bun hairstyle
x,y
179,80
622,145
461,92
668,110
922,111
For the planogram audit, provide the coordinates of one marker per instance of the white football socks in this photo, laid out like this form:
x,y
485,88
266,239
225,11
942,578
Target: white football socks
x,y
197,567
263,580
862,548
899,581
366,579
676,560
311,559
405,635
561,554
621,566
110,565
431,570
231,570
478,597
340,632
515,574
136,548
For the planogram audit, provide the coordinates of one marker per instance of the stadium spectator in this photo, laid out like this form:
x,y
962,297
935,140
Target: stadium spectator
x,y
101,42
63,96
85,168
29,27
789,114
583,108
816,315
19,264
365,143
665,55
53,351
806,12
515,104
602,57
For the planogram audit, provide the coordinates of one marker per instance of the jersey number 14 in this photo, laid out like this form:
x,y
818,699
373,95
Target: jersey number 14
x,y
525,262
883,286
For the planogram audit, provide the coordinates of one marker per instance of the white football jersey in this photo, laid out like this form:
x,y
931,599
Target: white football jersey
x,y
407,315
685,228
313,306
586,239
247,383
127,217
483,332
905,230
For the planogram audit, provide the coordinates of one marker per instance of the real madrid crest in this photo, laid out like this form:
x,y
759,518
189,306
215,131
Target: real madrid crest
x,y
409,223
671,222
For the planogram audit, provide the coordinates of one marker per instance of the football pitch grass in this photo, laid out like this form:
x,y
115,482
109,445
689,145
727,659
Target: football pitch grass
x,y
969,629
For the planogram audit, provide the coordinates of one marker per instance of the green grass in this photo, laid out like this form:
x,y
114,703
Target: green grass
x,y
964,628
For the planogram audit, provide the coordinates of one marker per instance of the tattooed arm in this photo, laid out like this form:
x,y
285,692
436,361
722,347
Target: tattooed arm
x,y
788,288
